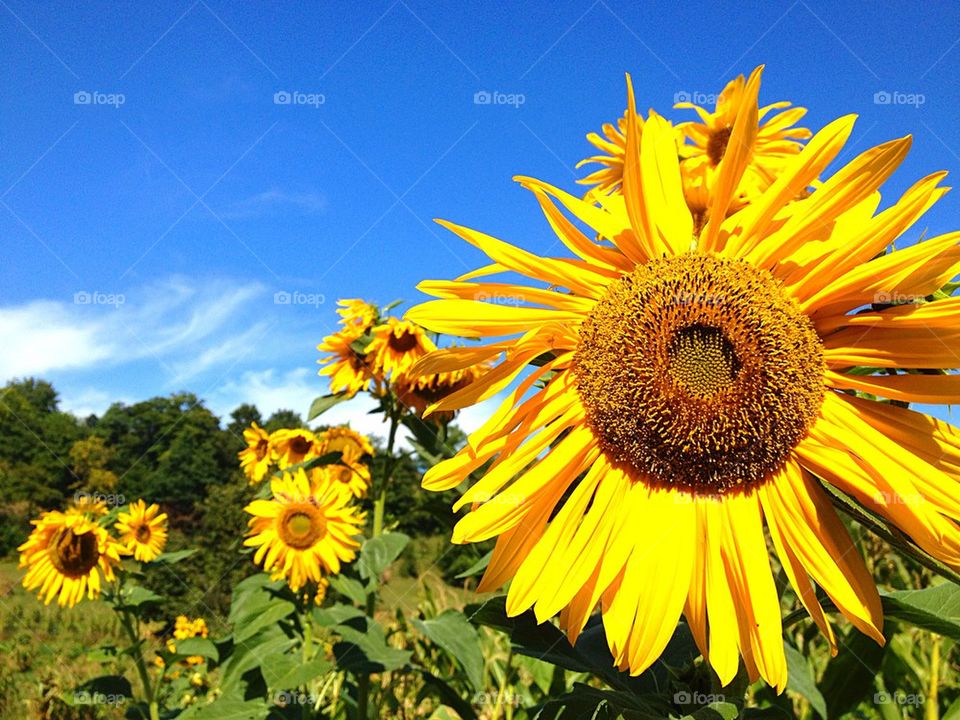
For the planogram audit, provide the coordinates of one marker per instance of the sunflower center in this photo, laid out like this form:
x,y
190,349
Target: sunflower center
x,y
717,144
699,371
74,554
301,525
404,342
142,533
299,445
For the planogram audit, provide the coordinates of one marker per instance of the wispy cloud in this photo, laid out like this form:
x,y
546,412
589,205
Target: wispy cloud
x,y
274,201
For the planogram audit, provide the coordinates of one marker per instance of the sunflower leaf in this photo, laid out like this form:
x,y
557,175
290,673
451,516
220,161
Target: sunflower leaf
x,y
934,608
227,709
800,680
377,553
171,558
197,647
349,587
454,633
323,403
849,676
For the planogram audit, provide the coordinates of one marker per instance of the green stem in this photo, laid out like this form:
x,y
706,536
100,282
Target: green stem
x,y
379,506
134,636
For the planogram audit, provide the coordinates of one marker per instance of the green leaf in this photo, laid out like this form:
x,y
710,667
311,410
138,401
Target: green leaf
x,y
801,681
171,558
478,567
276,610
377,553
849,676
363,648
197,646
453,632
227,709
349,587
714,711
283,671
588,703
935,608
323,403
247,655
133,596
432,685
336,615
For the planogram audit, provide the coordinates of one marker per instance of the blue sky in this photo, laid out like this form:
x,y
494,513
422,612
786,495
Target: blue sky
x,y
185,190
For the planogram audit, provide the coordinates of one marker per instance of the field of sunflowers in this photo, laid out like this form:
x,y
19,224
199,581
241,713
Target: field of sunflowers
x,y
701,493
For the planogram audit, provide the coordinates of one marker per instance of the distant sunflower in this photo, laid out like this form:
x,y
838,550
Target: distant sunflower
x,y
420,393
294,446
88,505
352,444
347,368
142,530
357,316
613,147
694,382
396,345
777,139
66,556
256,458
352,476
183,629
304,531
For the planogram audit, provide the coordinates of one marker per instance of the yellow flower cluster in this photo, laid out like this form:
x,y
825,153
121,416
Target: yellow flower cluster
x,y
287,447
71,553
183,629
374,353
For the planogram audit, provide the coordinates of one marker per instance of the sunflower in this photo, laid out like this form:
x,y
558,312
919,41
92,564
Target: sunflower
x,y
395,346
256,458
351,475
777,139
357,316
613,147
350,443
694,383
87,505
142,530
294,446
304,531
66,555
346,367
183,629
420,393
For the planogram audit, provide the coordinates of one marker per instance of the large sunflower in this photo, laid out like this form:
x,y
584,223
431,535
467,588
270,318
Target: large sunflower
x,y
694,381
66,555
304,531
142,530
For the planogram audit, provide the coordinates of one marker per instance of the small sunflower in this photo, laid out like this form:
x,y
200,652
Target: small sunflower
x,y
183,629
680,384
422,393
294,446
142,530
777,139
304,531
256,458
357,316
66,556
350,443
87,505
613,147
352,476
395,346
347,368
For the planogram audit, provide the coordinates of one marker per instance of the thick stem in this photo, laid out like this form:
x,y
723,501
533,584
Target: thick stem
x,y
134,636
933,687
